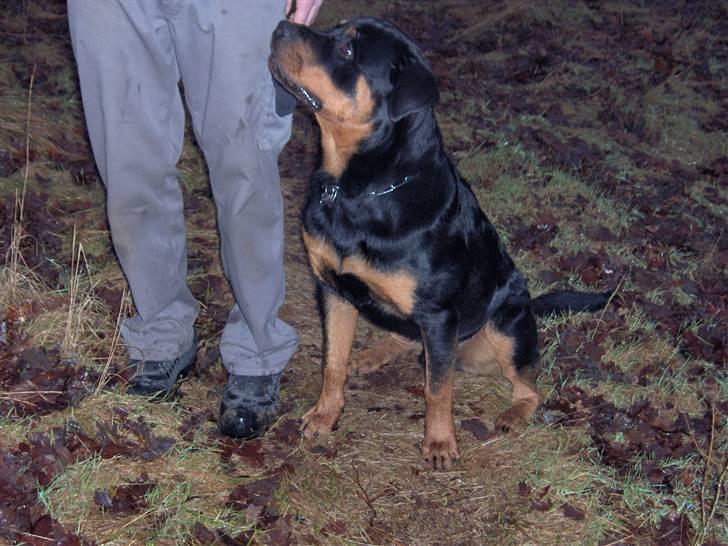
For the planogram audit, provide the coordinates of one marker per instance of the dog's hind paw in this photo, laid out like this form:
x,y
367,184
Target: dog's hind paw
x,y
511,419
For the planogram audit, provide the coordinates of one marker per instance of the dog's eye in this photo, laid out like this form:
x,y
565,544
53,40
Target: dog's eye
x,y
346,50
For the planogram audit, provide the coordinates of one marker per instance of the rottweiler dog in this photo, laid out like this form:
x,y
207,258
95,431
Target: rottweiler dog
x,y
394,233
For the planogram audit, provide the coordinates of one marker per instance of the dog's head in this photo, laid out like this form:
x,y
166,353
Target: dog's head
x,y
356,76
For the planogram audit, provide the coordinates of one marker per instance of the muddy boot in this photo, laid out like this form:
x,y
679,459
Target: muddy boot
x,y
157,378
249,405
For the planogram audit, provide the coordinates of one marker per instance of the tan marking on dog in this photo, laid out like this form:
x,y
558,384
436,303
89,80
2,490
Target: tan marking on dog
x,y
479,353
490,350
344,120
379,355
340,324
291,58
439,446
350,124
321,255
396,287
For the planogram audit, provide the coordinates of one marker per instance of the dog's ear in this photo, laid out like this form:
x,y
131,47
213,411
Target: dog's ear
x,y
414,90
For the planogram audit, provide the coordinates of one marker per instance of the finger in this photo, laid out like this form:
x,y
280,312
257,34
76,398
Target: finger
x,y
313,13
306,11
298,16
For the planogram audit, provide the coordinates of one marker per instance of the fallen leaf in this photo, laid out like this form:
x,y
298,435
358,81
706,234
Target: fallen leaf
x,y
477,428
572,512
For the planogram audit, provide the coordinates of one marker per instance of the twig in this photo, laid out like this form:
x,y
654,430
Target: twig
x,y
27,141
707,517
72,291
606,306
114,342
17,236
77,305
27,534
364,495
704,483
25,22
10,394
143,514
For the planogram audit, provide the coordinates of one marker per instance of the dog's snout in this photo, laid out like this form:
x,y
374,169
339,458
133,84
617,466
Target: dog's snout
x,y
285,30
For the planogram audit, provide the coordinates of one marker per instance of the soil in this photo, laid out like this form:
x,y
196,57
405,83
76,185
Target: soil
x,y
594,134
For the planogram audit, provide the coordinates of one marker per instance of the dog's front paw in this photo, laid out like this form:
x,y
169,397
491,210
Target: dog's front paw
x,y
440,454
317,421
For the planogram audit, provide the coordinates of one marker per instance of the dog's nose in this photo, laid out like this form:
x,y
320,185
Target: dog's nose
x,y
284,30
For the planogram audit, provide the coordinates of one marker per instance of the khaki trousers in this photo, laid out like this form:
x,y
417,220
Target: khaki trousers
x,y
131,56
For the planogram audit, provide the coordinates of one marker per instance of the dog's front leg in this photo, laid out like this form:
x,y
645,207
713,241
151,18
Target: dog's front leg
x,y
439,335
340,318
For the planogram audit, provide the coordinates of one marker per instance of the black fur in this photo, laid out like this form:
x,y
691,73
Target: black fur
x,y
431,226
568,300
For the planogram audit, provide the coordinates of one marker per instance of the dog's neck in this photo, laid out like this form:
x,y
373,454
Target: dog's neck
x,y
404,153
330,190
339,143
395,147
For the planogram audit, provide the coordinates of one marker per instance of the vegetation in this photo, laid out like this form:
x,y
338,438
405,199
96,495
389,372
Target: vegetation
x,y
594,135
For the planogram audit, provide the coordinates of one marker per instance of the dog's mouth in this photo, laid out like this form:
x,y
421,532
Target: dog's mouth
x,y
301,93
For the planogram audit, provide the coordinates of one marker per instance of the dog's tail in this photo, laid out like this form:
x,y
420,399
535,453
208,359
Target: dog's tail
x,y
569,300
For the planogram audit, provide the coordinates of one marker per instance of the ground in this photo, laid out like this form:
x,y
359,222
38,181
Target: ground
x,y
594,135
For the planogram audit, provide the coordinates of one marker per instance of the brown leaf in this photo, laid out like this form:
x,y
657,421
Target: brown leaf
x,y
288,432
336,527
572,512
130,498
279,533
541,505
524,489
416,390
193,422
202,534
250,451
477,428
259,492
327,452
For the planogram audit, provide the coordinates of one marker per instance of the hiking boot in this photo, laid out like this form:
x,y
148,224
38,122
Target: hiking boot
x,y
157,378
249,405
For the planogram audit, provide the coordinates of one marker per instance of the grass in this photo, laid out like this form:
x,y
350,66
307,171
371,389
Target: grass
x,y
678,127
365,484
186,495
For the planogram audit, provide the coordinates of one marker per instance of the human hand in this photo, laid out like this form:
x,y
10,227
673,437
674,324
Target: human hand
x,y
306,11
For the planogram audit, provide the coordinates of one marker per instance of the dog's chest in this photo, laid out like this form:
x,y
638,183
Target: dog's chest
x,y
391,288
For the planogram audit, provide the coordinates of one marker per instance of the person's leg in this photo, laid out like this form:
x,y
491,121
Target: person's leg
x,y
135,118
222,50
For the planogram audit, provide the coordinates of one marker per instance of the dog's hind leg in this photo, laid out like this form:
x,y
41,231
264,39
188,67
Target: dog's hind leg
x,y
513,352
477,355
340,318
379,355
524,398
